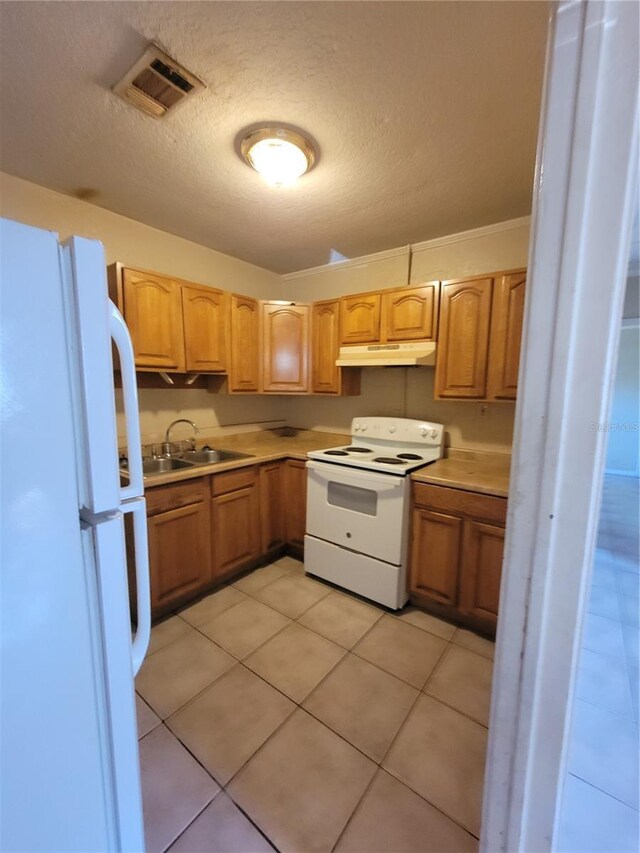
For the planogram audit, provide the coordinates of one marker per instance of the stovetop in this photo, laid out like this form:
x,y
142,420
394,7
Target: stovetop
x,y
390,445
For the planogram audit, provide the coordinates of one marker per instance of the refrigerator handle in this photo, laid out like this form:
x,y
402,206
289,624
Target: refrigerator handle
x,y
122,340
140,643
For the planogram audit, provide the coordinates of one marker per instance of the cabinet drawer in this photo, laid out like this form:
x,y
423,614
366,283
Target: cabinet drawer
x,y
232,480
174,495
457,501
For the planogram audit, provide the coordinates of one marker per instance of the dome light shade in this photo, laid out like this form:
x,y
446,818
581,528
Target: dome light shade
x,y
281,156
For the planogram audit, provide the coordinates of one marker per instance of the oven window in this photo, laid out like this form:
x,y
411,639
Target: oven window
x,y
354,498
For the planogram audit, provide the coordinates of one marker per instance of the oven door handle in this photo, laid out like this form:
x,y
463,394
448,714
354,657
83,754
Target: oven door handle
x,y
360,479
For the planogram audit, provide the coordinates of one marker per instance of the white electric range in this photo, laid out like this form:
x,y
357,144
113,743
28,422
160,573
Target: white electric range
x,y
358,505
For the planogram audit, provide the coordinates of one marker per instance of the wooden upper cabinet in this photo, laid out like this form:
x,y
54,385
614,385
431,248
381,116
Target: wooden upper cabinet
x,y
325,342
463,339
360,318
153,313
507,314
205,324
285,345
411,313
244,366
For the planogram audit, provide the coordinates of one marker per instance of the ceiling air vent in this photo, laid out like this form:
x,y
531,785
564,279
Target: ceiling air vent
x,y
157,83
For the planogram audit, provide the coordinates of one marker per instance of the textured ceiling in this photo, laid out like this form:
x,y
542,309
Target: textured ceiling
x,y
425,114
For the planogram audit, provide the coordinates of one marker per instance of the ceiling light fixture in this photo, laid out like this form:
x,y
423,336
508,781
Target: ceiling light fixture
x,y
281,156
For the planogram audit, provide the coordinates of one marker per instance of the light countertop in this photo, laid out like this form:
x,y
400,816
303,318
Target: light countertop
x,y
263,445
486,473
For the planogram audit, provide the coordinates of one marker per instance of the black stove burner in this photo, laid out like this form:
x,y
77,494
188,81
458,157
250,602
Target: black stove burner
x,y
390,460
359,449
335,453
409,456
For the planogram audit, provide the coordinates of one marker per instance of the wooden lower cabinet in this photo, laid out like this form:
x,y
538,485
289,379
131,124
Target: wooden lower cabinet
x,y
272,517
457,542
235,520
179,544
295,503
482,552
437,538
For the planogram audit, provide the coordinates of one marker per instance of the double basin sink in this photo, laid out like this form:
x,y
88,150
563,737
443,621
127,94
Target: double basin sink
x,y
188,459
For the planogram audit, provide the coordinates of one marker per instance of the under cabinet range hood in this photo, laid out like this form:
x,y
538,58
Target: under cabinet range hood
x,y
388,355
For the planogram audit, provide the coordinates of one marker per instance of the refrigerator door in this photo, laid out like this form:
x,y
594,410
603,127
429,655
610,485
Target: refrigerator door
x,y
97,321
69,749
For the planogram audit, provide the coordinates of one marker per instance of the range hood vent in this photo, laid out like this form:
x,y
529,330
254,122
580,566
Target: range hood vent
x,y
388,355
157,83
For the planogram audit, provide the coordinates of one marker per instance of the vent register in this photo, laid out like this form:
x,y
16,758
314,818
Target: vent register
x,y
156,83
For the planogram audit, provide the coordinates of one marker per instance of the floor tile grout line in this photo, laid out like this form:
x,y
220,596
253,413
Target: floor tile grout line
x,y
204,808
602,791
298,705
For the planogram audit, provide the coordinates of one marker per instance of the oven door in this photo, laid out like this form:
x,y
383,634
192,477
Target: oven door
x,y
360,510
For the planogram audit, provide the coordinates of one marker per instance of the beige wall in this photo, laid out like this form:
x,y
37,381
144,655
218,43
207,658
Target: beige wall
x,y
408,392
139,245
385,269
397,391
132,242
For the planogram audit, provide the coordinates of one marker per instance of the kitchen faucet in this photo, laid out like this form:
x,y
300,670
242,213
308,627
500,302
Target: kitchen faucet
x,y
166,447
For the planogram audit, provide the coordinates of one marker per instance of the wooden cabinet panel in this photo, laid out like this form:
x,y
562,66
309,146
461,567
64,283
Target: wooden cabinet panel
x,y
272,518
482,552
229,481
295,502
234,530
285,341
205,322
325,342
460,502
411,313
507,313
360,318
463,339
179,554
435,555
174,495
244,367
153,313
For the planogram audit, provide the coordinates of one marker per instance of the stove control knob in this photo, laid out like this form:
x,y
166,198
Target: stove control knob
x,y
434,433
356,427
423,431
363,427
392,429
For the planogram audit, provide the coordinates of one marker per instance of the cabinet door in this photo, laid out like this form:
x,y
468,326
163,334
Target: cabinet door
x,y
436,540
272,518
285,341
204,312
295,502
463,340
179,554
234,530
244,369
507,312
411,313
360,319
153,313
481,569
325,341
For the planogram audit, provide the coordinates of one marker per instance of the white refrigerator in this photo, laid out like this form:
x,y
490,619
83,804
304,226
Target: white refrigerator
x,y
70,778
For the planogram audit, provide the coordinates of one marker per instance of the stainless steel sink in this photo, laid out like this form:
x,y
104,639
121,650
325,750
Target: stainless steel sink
x,y
206,457
162,466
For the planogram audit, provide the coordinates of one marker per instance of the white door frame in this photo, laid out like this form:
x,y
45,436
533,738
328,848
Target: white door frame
x,y
584,195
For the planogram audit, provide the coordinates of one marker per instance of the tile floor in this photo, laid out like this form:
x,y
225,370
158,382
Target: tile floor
x,y
281,713
600,805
